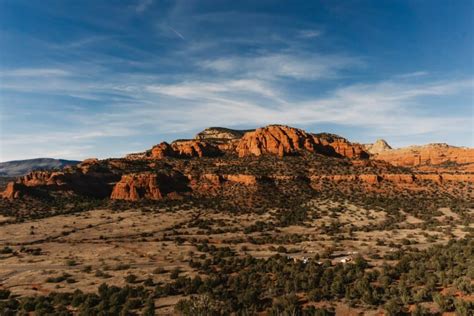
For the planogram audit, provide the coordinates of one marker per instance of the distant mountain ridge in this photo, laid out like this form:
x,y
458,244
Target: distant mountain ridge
x,y
18,168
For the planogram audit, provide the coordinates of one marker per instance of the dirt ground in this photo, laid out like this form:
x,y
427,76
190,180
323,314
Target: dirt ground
x,y
99,246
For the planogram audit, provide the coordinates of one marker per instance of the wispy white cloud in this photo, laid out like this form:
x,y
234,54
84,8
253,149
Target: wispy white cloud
x,y
383,106
198,90
293,65
393,108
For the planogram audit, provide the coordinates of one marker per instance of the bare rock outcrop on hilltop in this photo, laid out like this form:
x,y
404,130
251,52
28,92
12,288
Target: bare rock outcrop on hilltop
x,y
379,146
432,154
149,185
220,134
184,149
274,139
284,140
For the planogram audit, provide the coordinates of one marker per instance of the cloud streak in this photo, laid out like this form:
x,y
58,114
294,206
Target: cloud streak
x,y
177,33
293,65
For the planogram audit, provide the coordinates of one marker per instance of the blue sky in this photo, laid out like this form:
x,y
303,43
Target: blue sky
x,y
95,78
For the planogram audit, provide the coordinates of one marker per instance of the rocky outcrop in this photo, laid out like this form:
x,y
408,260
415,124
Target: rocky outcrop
x,y
149,185
396,178
161,151
89,178
429,177
458,177
379,146
433,154
13,191
274,139
184,149
399,178
148,175
369,178
284,140
137,156
342,147
193,148
241,178
220,134
133,187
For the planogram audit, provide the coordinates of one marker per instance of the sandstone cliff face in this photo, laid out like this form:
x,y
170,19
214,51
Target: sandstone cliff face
x,y
346,149
88,178
38,178
184,149
161,151
146,176
193,148
433,154
396,178
399,178
133,187
13,191
284,140
274,139
149,185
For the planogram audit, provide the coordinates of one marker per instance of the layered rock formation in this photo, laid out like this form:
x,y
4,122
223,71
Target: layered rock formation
x,y
284,140
432,154
193,148
148,175
89,178
341,146
276,140
137,186
397,178
149,185
184,149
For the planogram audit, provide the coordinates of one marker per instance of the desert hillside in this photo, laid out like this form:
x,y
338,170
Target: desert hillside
x,y
227,220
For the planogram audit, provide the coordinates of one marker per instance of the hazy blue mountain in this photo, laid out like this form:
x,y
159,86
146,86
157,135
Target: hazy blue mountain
x,y
21,167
